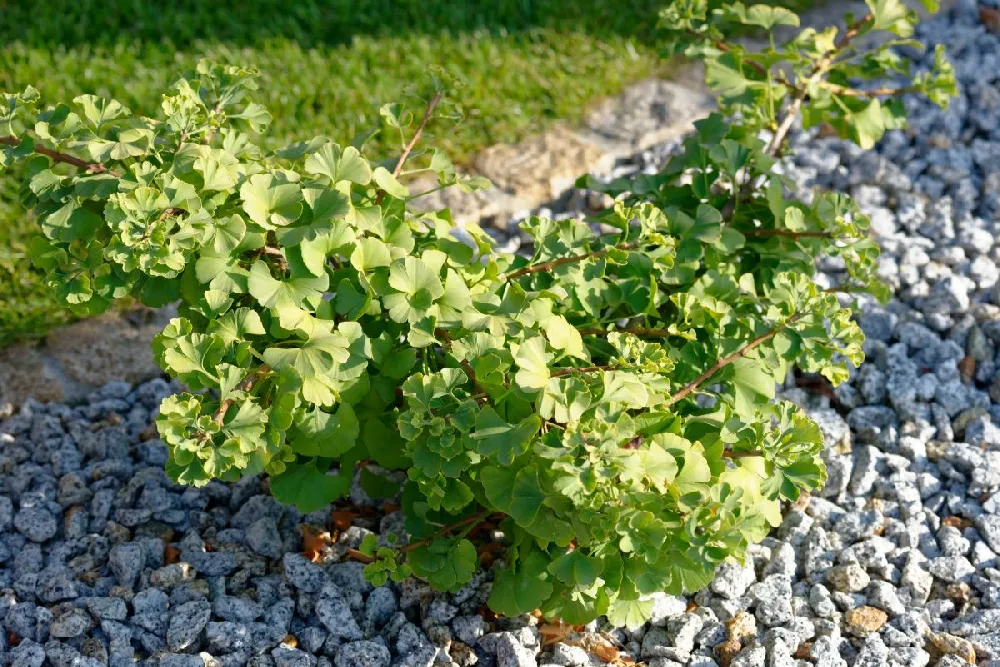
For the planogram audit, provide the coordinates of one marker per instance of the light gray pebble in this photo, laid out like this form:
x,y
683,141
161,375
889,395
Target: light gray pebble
x,y
292,657
186,623
336,615
362,654
36,523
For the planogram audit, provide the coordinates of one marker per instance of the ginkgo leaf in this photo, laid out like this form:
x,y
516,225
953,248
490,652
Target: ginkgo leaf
x,y
218,169
339,164
307,488
502,440
565,337
271,201
277,294
533,364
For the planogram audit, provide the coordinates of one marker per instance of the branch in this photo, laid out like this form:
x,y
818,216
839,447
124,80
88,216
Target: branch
x,y
787,233
446,337
741,455
585,369
852,32
547,266
65,158
792,110
725,48
476,518
416,136
692,386
246,385
636,331
873,92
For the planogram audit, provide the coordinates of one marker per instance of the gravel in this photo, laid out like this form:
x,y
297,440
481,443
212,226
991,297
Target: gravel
x,y
104,562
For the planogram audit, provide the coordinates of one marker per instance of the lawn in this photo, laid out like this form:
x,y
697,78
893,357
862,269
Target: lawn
x,y
326,68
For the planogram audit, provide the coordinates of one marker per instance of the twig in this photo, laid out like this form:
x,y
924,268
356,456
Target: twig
x,y
741,455
787,233
725,48
246,385
547,266
65,158
852,32
276,255
416,136
585,369
635,331
446,337
792,110
872,92
692,386
476,518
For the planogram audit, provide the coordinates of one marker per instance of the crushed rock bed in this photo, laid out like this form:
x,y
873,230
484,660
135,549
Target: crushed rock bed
x,y
105,562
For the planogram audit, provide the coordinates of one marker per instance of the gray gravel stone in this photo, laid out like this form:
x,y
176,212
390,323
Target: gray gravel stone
x,y
335,614
186,623
126,562
362,654
35,523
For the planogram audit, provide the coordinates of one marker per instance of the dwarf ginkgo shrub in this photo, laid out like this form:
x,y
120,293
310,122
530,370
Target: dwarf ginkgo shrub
x,y
605,401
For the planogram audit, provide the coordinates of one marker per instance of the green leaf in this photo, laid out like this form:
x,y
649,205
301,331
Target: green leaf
x,y
271,200
519,494
576,569
752,382
768,17
378,486
324,434
521,588
564,336
501,440
314,361
445,564
533,365
307,488
631,614
280,294
890,15
218,169
388,183
339,164
384,444
370,254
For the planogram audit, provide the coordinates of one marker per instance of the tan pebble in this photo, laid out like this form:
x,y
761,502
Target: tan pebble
x,y
864,620
952,645
741,626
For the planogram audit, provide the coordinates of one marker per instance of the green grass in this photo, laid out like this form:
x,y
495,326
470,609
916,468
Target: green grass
x,y
326,68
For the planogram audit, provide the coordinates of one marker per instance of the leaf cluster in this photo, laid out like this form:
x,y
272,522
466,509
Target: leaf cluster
x,y
605,401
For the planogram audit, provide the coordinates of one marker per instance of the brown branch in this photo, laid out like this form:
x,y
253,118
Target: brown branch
x,y
692,386
725,48
584,369
246,385
64,158
547,266
872,92
787,233
276,254
635,331
446,337
792,110
476,518
741,455
852,31
416,136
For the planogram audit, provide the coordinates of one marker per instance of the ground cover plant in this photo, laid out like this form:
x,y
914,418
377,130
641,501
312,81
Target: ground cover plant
x,y
606,402
521,65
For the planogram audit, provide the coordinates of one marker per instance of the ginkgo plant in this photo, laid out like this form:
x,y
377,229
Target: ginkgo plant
x,y
605,400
